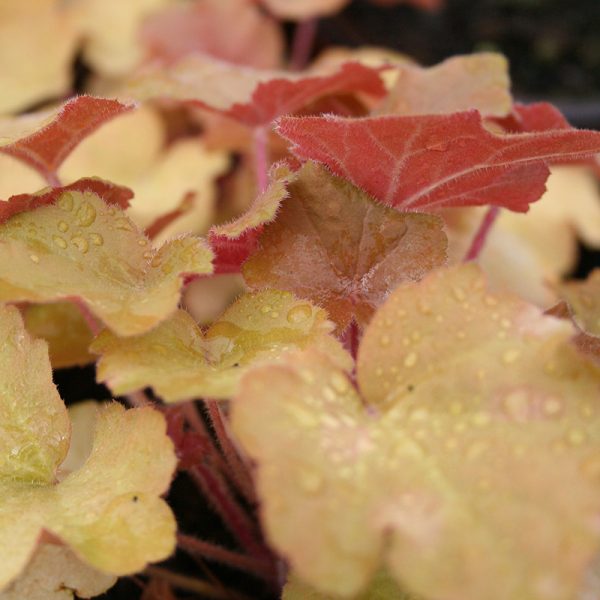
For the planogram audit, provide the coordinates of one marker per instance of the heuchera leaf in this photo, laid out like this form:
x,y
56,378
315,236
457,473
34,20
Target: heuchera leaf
x,y
252,97
435,161
481,425
333,245
299,10
44,140
109,511
479,81
234,242
64,329
236,31
55,573
182,363
583,298
72,244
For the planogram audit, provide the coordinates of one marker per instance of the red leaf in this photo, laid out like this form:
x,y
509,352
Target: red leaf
x,y
539,116
230,254
435,161
47,148
111,193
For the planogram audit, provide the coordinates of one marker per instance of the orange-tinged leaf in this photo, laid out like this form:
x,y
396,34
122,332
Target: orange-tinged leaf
x,y
55,573
44,140
477,81
78,246
583,298
252,97
480,424
434,161
65,330
109,511
233,30
182,363
233,242
46,30
333,245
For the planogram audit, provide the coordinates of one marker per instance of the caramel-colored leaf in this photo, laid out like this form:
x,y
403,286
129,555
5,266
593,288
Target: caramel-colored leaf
x,y
109,511
333,245
475,459
477,81
45,139
252,97
71,244
55,573
233,30
234,242
38,39
64,328
434,161
182,363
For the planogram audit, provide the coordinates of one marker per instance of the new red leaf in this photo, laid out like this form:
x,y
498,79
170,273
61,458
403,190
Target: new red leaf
x,y
46,145
434,161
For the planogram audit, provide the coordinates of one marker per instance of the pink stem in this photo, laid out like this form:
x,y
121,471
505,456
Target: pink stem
x,y
238,469
481,235
89,318
302,45
351,338
261,567
261,158
52,179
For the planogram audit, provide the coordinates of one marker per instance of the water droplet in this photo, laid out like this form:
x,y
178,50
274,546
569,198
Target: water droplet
x,y
576,437
80,243
510,356
142,242
456,408
419,414
85,214
476,449
411,360
63,226
302,416
339,383
34,258
123,224
274,314
147,255
266,309
481,419
329,394
461,335
384,340
505,323
458,293
491,301
96,239
60,242
65,202
552,406
299,313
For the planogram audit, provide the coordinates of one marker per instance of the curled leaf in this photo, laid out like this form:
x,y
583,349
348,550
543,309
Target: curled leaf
x,y
481,424
72,244
333,245
583,297
434,161
252,97
45,139
181,363
108,511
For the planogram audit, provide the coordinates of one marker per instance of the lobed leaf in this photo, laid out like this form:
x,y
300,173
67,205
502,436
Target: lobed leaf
x,y
480,427
583,298
45,139
181,363
73,244
108,511
334,246
252,97
434,161
478,81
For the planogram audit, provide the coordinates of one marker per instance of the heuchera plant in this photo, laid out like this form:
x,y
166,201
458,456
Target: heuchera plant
x,y
329,295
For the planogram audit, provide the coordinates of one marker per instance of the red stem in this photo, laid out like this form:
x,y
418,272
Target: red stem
x,y
302,45
261,567
86,313
52,179
261,158
215,489
481,235
237,468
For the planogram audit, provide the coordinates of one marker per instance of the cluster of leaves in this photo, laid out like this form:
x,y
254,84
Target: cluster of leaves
x,y
404,396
